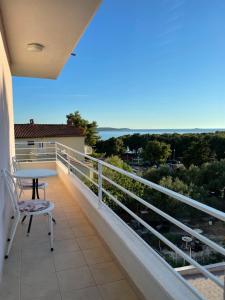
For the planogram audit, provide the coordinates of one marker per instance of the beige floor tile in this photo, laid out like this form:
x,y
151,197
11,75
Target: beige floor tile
x,y
62,224
35,237
73,279
63,234
68,209
12,265
64,246
42,286
83,230
78,221
36,249
59,216
51,296
97,255
69,260
37,267
90,293
119,290
89,242
10,287
106,272
39,226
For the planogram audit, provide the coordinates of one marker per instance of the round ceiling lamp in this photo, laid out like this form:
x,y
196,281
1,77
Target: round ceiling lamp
x,y
35,47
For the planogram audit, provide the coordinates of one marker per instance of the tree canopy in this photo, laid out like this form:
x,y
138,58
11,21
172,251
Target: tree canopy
x,y
90,128
112,146
157,152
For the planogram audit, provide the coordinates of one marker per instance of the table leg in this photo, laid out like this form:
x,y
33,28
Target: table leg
x,y
35,184
37,193
33,197
33,189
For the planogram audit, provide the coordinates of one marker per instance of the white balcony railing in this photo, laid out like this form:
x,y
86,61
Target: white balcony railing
x,y
78,162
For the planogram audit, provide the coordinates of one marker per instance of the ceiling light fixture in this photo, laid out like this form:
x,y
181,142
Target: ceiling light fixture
x,y
35,47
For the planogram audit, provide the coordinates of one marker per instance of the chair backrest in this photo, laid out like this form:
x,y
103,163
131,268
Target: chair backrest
x,y
12,190
15,164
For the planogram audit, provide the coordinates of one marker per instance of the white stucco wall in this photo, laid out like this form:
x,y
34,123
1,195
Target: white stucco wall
x,y
6,140
76,143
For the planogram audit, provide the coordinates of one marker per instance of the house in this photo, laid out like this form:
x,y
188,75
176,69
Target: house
x,y
35,142
36,137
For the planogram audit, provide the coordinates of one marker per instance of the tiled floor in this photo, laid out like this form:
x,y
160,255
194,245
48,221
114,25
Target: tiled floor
x,y
80,268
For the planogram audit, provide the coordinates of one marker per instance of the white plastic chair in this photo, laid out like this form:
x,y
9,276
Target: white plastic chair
x,y
28,208
24,184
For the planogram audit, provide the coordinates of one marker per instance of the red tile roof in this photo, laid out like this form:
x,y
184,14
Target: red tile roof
x,y
46,130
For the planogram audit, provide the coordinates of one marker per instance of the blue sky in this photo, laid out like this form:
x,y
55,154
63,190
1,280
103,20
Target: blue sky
x,y
140,64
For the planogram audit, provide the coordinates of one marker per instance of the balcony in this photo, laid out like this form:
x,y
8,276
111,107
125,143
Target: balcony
x,y
98,255
81,265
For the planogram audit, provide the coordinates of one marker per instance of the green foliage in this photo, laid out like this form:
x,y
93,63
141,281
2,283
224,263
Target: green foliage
x,y
90,128
118,162
113,146
124,181
189,148
155,174
156,152
197,153
134,141
205,184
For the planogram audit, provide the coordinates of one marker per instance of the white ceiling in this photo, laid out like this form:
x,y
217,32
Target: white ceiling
x,y
57,24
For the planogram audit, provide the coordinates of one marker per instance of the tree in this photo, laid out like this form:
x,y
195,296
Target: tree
x,y
156,152
90,128
134,141
123,180
197,153
156,174
112,146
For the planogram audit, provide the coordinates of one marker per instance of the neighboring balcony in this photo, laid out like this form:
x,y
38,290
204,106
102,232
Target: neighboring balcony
x,y
98,254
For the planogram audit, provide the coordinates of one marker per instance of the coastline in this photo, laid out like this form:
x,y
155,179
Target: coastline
x,y
106,134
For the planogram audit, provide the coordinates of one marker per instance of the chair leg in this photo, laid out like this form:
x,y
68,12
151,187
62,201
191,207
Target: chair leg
x,y
11,236
29,226
51,230
23,219
21,191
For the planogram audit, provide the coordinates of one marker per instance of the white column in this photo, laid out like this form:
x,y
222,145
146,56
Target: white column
x,y
6,142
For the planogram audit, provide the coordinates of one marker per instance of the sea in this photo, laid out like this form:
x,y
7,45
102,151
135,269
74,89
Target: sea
x,y
105,135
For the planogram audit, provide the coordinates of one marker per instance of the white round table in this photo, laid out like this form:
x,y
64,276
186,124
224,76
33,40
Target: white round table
x,y
34,174
187,240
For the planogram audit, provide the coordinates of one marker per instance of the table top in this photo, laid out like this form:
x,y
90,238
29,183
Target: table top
x,y
34,173
186,239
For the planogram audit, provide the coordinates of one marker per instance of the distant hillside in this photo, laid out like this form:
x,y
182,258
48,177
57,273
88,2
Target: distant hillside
x,y
112,129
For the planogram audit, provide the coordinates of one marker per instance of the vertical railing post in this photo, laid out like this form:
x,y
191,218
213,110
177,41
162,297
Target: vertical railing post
x,y
99,183
68,162
55,151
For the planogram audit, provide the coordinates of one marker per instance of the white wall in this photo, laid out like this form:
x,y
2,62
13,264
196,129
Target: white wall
x,y
76,143
6,139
